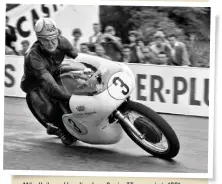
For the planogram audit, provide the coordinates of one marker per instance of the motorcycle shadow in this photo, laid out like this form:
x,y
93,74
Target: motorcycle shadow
x,y
109,154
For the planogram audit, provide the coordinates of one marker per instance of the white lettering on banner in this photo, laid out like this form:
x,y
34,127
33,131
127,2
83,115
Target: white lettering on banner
x,y
167,89
178,90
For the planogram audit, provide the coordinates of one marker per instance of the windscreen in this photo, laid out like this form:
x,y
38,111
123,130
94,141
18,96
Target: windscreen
x,y
82,78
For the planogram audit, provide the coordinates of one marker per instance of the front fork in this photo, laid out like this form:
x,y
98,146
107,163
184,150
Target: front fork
x,y
128,124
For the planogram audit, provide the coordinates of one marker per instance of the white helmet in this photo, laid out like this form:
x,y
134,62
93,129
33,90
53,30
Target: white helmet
x,y
46,28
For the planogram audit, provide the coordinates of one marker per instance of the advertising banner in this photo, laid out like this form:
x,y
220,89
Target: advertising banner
x,y
171,89
166,89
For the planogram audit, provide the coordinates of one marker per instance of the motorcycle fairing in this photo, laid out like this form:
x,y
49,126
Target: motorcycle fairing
x,y
88,121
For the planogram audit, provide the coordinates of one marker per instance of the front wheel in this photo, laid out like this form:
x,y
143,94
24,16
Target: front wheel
x,y
158,139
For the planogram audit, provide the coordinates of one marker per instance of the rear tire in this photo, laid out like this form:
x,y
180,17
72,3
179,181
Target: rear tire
x,y
160,123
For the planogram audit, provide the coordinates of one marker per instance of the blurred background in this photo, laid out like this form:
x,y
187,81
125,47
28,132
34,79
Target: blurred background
x,y
133,34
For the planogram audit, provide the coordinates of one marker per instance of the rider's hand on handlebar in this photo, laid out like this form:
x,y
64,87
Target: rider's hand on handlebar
x,y
87,71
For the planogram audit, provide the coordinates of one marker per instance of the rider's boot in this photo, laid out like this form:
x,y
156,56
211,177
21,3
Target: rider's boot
x,y
52,129
65,137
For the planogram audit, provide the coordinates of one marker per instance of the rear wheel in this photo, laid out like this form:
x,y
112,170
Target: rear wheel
x,y
159,138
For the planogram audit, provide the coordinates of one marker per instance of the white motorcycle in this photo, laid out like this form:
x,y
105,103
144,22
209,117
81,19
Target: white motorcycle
x,y
101,107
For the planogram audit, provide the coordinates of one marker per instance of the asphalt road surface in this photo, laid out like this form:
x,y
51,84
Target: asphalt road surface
x,y
28,147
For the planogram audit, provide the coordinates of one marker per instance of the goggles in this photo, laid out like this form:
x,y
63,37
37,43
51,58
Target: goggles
x,y
50,41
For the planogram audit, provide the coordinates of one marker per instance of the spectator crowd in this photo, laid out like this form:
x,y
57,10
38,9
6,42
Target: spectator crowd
x,y
163,49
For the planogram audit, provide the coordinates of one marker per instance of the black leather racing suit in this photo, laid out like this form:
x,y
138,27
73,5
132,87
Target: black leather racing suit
x,y
38,81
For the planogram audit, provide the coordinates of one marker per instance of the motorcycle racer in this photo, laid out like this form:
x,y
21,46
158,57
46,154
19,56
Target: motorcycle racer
x,y
41,66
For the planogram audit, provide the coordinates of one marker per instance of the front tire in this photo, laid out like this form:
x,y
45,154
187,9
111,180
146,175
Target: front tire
x,y
160,126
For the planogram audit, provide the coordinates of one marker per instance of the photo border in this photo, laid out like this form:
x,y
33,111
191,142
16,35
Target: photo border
x,y
209,174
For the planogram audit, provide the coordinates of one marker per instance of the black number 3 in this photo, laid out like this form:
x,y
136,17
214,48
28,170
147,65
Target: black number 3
x,y
125,91
74,126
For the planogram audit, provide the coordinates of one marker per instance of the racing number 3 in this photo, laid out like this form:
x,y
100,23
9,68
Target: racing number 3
x,y
74,126
120,82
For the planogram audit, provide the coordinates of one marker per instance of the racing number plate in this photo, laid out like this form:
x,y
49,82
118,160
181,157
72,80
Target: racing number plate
x,y
120,85
74,126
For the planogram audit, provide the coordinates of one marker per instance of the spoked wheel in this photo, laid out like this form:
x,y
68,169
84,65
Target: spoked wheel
x,y
157,136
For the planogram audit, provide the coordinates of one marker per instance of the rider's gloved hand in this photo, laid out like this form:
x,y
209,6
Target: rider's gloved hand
x,y
87,71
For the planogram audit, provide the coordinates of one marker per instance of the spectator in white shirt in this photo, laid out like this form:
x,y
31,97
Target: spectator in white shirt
x,y
78,39
96,37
